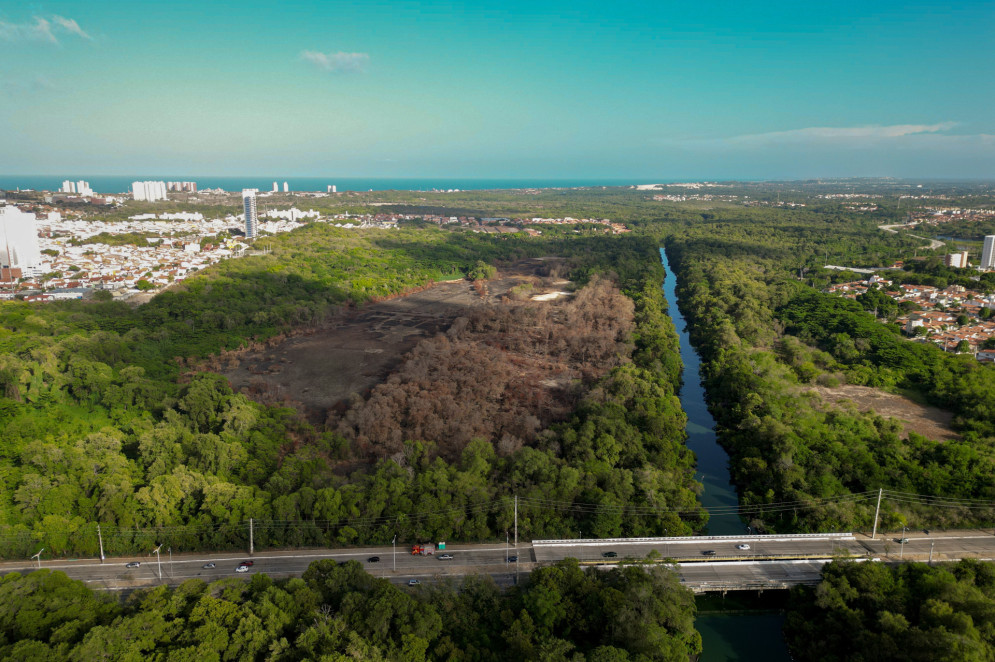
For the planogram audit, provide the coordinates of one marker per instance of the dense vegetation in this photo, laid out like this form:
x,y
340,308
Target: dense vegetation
x,y
767,336
340,612
99,427
872,611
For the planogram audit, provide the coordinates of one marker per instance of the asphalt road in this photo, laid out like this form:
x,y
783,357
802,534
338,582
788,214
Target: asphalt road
x,y
770,560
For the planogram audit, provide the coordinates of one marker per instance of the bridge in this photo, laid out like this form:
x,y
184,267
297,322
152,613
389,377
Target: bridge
x,y
705,563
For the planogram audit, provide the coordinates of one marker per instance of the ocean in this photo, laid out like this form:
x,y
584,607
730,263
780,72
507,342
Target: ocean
x,y
121,184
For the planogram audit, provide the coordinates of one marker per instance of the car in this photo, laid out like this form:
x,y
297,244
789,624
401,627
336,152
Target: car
x,y
609,555
413,582
242,568
744,546
512,559
446,557
708,552
901,541
926,531
208,566
133,564
247,563
373,559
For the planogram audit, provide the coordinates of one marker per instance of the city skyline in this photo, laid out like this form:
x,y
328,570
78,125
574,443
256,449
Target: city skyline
x,y
729,91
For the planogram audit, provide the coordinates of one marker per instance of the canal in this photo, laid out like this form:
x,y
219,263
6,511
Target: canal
x,y
739,635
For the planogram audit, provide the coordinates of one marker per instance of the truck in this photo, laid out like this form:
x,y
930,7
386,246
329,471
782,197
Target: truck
x,y
423,550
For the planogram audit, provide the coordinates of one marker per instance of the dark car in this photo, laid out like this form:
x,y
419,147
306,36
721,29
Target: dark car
x,y
512,559
373,559
708,552
247,563
609,555
133,564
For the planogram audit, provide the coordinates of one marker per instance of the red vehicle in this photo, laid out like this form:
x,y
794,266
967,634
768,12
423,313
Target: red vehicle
x,y
246,562
423,550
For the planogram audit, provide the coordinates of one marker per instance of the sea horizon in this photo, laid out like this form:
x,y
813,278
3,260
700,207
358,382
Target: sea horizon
x,y
112,184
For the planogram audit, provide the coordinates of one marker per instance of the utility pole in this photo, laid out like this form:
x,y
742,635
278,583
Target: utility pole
x,y
394,543
101,539
251,548
170,550
158,560
876,512
931,543
516,521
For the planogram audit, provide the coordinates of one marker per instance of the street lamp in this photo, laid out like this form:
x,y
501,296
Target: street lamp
x,y
901,554
170,550
158,560
394,543
38,556
507,549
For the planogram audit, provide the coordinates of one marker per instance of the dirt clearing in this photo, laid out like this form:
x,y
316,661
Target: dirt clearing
x,y
930,422
359,348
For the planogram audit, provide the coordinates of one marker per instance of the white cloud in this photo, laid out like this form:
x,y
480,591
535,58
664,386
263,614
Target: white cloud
x,y
70,25
340,62
833,134
40,29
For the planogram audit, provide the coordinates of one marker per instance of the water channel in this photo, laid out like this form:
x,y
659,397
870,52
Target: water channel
x,y
741,636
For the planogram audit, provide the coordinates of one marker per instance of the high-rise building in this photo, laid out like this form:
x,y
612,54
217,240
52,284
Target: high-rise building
x,y
276,188
286,187
988,253
148,191
18,240
68,187
83,188
958,260
251,219
332,189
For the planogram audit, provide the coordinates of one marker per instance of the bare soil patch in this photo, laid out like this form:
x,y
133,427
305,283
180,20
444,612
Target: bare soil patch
x,y
359,348
930,422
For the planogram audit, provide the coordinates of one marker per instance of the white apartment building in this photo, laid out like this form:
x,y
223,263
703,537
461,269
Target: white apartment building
x,y
988,253
19,240
148,191
251,219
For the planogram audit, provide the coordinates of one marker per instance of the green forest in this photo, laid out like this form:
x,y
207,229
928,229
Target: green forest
x,y
339,612
910,611
767,334
104,422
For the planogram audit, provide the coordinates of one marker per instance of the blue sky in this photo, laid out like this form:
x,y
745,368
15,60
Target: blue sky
x,y
664,90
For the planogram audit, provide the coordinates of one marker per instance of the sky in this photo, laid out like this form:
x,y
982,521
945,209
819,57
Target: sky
x,y
658,90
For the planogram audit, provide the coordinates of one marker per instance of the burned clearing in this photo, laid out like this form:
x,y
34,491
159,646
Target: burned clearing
x,y
320,369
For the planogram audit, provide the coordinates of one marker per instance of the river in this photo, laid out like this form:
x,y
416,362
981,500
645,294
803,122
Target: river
x,y
740,636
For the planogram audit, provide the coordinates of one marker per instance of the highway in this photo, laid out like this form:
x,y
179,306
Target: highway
x,y
705,563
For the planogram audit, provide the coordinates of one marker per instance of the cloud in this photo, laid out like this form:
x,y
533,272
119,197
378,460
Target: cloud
x,y
833,134
41,29
69,25
338,62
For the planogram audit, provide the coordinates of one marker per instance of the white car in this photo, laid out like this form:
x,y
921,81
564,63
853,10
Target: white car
x,y
744,546
242,568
